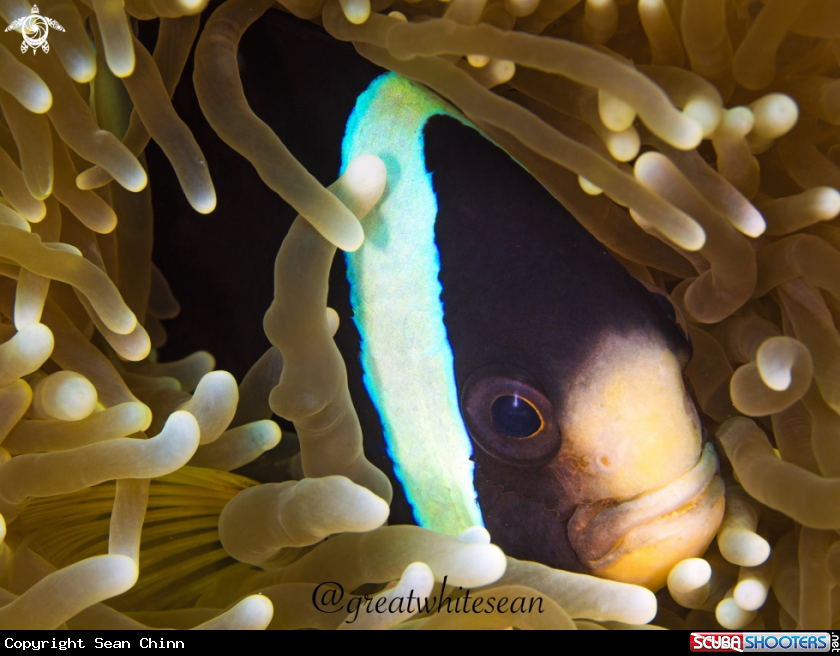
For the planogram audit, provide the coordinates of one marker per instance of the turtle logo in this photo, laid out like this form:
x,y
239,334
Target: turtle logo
x,y
34,29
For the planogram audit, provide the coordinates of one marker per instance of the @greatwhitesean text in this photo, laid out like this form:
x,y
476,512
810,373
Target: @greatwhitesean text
x,y
330,597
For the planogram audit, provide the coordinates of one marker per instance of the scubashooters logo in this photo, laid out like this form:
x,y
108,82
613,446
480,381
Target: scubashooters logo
x,y
777,641
34,29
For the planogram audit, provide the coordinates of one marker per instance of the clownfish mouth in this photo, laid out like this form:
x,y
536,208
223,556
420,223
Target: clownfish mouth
x,y
638,540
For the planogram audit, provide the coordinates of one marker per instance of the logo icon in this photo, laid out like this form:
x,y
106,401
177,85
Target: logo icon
x,y
34,29
762,641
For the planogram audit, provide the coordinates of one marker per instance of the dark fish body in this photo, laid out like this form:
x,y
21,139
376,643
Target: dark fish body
x,y
566,369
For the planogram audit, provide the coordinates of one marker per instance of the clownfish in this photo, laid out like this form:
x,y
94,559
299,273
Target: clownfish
x,y
507,371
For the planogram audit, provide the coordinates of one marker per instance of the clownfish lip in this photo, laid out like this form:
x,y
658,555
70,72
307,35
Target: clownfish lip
x,y
647,553
598,530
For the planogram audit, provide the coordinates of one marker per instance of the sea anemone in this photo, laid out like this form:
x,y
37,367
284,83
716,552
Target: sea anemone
x,y
698,140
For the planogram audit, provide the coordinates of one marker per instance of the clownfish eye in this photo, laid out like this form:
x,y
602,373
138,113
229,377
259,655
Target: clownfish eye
x,y
515,417
509,417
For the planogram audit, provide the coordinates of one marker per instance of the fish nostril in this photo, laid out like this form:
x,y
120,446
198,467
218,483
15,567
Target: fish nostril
x,y
605,461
